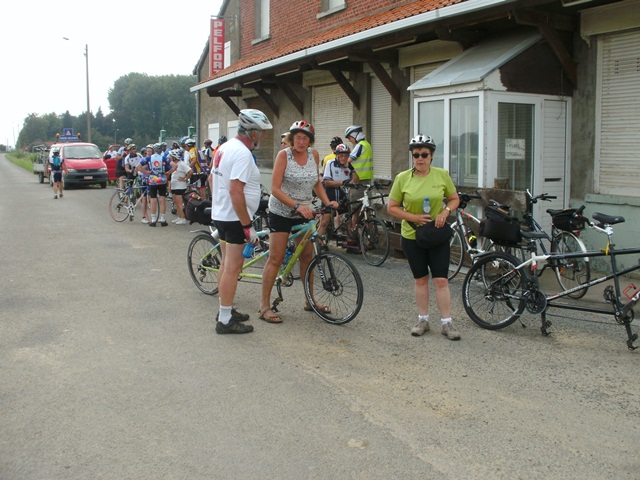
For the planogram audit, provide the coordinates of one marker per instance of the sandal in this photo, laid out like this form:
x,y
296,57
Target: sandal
x,y
322,308
273,318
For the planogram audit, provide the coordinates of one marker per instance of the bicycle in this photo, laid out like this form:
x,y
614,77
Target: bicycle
x,y
565,228
337,282
465,243
124,201
499,287
371,233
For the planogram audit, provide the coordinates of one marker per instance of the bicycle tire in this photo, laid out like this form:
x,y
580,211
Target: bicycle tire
x,y
456,252
375,241
571,272
492,292
119,206
336,285
202,256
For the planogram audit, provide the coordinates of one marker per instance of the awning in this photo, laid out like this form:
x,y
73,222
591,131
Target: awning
x,y
477,62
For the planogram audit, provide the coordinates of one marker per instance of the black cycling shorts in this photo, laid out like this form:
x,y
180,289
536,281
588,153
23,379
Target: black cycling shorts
x,y
278,223
230,232
422,260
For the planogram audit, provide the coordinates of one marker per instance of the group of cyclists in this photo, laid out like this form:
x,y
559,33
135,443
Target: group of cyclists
x,y
164,170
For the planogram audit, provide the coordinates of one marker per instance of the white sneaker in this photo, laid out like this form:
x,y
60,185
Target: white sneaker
x,y
182,221
144,220
421,327
175,220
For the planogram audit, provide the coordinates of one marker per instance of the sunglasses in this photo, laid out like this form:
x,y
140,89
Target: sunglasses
x,y
423,155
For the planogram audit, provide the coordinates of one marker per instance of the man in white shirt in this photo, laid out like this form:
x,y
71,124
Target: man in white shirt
x,y
235,198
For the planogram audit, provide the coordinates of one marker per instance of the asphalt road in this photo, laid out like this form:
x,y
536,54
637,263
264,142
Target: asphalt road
x,y
110,369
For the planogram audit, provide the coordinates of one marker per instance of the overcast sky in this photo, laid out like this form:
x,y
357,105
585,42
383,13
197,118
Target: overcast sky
x,y
42,73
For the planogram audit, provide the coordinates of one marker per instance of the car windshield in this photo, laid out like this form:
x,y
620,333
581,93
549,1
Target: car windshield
x,y
82,151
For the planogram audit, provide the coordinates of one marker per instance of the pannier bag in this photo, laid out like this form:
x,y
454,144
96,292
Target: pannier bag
x,y
194,206
564,220
500,227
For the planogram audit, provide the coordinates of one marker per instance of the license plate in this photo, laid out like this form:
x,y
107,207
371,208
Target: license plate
x,y
88,177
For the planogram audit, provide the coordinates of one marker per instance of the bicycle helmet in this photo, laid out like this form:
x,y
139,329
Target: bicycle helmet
x,y
183,140
175,145
208,142
335,141
354,131
304,127
342,148
222,140
157,147
177,154
132,145
128,141
422,141
252,119
190,142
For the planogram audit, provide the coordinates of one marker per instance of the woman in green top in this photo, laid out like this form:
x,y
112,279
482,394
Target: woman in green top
x,y
408,192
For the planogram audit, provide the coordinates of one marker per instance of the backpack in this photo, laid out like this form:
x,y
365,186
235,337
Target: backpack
x,y
56,162
194,209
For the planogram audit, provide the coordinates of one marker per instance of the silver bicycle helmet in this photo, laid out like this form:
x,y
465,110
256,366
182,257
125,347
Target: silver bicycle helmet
x,y
422,141
252,119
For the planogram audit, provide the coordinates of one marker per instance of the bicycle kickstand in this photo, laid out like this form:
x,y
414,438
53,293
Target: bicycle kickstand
x,y
544,324
279,298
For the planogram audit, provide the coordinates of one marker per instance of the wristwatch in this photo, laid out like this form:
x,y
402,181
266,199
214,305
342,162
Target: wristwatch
x,y
296,207
447,208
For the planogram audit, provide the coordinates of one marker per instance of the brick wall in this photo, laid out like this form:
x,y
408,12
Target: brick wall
x,y
291,20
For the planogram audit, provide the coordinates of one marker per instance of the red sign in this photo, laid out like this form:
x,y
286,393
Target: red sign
x,y
216,46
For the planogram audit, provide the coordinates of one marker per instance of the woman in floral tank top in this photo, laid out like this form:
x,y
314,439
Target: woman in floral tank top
x,y
295,178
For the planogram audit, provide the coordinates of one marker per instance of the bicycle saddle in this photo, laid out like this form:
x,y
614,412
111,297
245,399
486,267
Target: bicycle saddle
x,y
608,219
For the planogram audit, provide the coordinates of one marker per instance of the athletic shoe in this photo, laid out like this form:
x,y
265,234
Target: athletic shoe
x,y
55,197
175,220
163,223
144,220
236,316
233,327
152,224
182,221
449,331
421,327
61,195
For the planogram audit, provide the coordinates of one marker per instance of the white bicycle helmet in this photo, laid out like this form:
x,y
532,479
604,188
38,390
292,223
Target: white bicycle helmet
x,y
128,141
354,131
190,142
252,119
422,141
342,148
177,154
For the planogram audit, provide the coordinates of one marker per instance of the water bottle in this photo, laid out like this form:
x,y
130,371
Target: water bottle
x,y
287,254
248,250
426,205
471,237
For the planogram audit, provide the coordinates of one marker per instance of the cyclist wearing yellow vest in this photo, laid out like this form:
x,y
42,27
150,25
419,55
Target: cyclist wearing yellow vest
x,y
362,154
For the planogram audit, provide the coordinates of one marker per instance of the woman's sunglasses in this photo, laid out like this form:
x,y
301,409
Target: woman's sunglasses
x,y
423,155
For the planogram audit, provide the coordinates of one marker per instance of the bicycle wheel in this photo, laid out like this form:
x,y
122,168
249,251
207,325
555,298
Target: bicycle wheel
x,y
492,292
333,281
456,252
375,242
571,272
119,206
203,260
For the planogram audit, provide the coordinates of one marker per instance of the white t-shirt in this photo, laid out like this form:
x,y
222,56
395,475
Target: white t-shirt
x,y
181,171
234,161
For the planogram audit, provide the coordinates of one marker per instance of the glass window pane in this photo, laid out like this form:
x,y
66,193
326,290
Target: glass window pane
x,y
431,122
515,146
463,149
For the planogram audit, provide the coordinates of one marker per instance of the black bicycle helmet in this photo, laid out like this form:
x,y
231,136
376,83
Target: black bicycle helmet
x,y
335,141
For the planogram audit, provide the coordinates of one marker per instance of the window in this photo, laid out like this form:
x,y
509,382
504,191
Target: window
x,y
515,145
227,54
261,20
454,125
329,7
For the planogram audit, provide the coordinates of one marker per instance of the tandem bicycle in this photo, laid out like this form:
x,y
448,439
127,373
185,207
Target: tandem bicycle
x,y
331,279
499,287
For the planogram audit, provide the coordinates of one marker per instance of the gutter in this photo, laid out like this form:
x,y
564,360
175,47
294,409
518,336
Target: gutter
x,y
399,25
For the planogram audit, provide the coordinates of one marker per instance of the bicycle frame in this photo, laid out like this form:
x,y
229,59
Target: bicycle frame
x,y
622,312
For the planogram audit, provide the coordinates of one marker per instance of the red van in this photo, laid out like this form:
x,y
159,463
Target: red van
x,y
84,163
